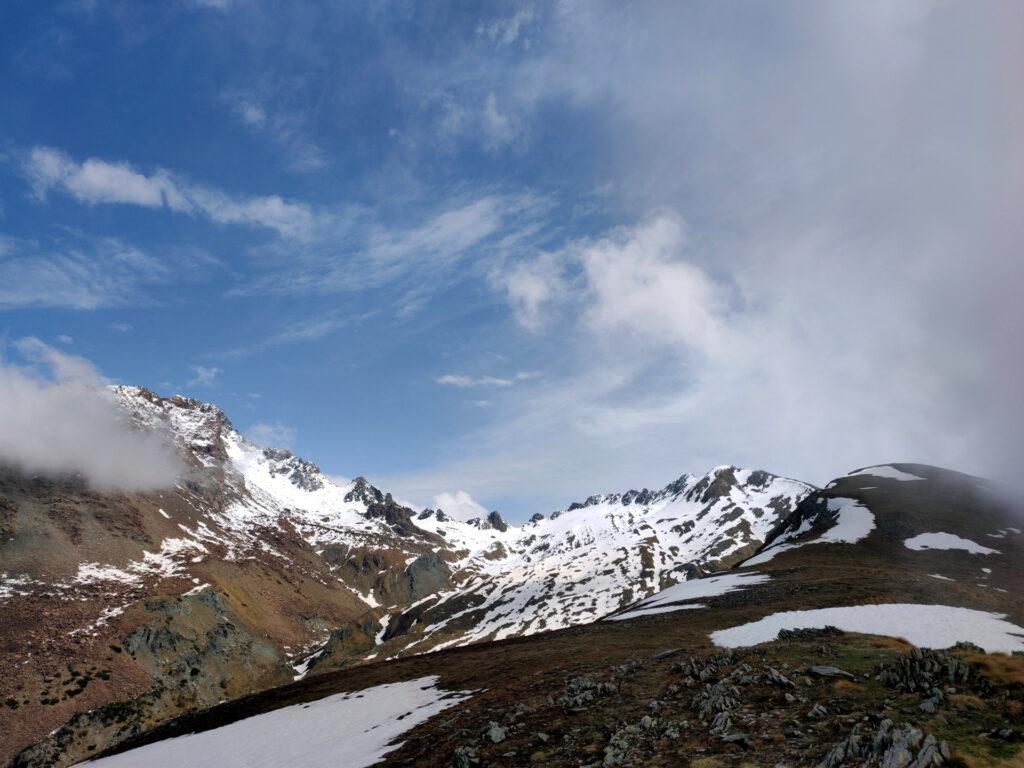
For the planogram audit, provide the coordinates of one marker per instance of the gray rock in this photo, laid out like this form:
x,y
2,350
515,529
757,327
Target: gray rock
x,y
496,733
817,712
777,678
831,672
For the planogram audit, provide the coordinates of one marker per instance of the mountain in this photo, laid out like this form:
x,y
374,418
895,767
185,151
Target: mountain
x,y
257,569
880,624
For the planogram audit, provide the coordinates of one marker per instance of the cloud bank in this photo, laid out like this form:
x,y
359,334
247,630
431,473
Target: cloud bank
x,y
820,263
58,418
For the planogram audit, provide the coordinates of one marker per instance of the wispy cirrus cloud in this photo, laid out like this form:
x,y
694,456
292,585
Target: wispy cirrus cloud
x,y
357,249
465,382
204,375
307,329
272,434
76,272
284,126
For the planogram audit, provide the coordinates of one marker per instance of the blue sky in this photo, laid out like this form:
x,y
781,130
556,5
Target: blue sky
x,y
528,251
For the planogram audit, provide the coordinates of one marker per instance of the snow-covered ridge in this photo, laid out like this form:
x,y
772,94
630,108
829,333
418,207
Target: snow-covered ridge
x,y
575,565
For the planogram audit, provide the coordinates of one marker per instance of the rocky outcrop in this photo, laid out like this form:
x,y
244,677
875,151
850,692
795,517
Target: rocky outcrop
x,y
347,644
195,646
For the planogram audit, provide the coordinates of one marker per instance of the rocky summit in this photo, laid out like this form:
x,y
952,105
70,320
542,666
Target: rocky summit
x,y
730,618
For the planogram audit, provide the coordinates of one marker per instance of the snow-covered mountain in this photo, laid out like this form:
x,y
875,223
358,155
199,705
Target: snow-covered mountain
x,y
435,581
257,568
122,611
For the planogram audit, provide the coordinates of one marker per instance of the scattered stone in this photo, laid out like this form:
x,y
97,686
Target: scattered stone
x,y
736,738
831,672
465,757
892,746
810,633
496,733
720,697
777,678
818,711
925,670
664,654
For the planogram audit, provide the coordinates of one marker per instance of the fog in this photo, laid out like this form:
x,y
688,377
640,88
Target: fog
x,y
58,418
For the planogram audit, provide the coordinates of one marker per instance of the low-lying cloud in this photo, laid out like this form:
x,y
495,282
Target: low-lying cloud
x,y
58,418
459,506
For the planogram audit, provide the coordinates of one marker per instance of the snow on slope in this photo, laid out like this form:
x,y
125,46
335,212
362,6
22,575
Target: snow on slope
x,y
853,522
352,729
674,598
928,626
886,471
592,559
946,541
574,566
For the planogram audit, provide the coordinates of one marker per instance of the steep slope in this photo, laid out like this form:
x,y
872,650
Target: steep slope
x,y
672,680
257,568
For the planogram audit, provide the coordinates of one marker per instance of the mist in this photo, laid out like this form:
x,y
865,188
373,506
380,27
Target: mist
x,y
58,418
818,263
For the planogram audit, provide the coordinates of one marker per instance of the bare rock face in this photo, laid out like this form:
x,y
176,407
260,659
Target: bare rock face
x,y
196,647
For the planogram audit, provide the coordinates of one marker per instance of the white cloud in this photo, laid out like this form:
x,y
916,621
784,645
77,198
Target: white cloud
x,y
273,435
96,182
355,251
80,273
287,128
65,339
845,293
58,418
459,506
500,128
252,113
638,283
463,382
506,31
217,5
531,287
204,376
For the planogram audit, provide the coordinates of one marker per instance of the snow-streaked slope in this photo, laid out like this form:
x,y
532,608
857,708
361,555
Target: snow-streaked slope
x,y
352,729
574,566
594,558
852,522
676,598
929,626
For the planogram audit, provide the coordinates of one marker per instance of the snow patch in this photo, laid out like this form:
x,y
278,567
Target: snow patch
x,y
655,610
695,589
930,626
854,522
947,541
353,729
886,471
